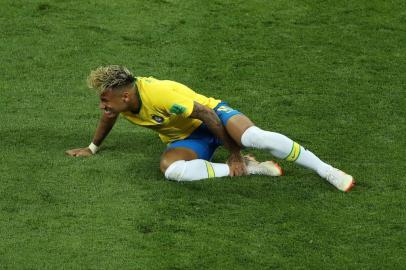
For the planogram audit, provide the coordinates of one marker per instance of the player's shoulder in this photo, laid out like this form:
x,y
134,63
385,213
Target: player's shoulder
x,y
153,90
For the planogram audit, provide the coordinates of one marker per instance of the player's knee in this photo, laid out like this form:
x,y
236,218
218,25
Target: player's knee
x,y
172,155
175,170
164,164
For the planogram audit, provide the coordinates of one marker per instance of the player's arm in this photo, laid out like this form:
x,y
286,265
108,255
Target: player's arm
x,y
213,123
106,123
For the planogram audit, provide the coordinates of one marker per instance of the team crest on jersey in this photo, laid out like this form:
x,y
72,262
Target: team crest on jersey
x,y
157,118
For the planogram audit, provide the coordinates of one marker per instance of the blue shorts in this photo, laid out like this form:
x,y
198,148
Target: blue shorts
x,y
202,141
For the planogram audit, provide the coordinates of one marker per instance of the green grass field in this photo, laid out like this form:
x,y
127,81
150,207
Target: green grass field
x,y
329,74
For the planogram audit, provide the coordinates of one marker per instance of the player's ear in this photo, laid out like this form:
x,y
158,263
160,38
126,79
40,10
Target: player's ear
x,y
125,96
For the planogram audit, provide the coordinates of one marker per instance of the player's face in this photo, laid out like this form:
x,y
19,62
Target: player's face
x,y
113,102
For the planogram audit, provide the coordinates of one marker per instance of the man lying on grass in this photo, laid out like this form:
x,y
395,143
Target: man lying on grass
x,y
193,127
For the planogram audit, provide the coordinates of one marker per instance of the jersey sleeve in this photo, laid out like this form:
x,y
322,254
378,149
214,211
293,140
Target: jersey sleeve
x,y
173,102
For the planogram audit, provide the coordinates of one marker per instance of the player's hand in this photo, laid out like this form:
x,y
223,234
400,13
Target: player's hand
x,y
236,164
79,152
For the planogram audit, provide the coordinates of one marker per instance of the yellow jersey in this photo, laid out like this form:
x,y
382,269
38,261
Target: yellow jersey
x,y
165,106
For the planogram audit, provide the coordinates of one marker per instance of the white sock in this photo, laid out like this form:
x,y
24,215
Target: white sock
x,y
284,148
196,169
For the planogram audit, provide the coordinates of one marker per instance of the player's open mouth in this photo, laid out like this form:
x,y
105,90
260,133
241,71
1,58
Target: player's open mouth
x,y
108,111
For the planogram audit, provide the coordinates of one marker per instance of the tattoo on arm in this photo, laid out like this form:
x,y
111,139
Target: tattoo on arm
x,y
213,123
206,115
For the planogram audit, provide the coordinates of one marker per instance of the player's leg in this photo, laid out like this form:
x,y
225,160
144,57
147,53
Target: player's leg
x,y
190,159
244,132
187,160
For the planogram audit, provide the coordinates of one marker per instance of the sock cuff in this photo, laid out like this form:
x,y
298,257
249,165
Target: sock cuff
x,y
247,138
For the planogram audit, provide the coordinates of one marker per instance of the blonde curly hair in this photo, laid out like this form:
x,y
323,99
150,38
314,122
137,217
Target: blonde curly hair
x,y
109,77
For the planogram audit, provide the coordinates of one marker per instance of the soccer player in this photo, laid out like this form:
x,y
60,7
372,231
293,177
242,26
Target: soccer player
x,y
193,126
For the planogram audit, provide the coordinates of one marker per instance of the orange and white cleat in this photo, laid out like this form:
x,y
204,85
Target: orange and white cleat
x,y
269,167
340,179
